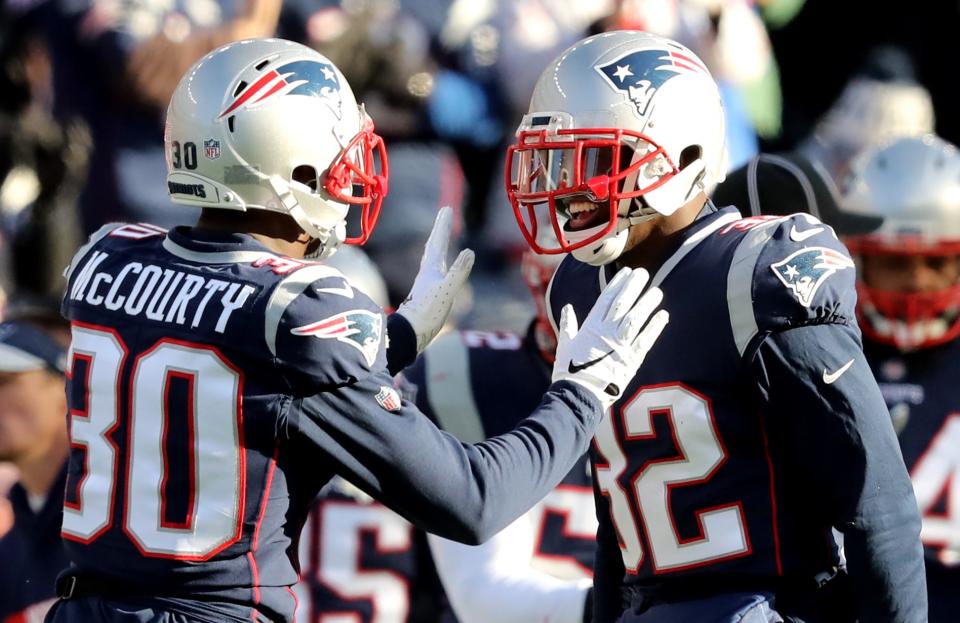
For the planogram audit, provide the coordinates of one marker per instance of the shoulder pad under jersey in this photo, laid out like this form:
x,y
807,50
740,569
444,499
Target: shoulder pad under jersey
x,y
321,330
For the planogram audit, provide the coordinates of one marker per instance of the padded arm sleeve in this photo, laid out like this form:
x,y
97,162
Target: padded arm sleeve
x,y
829,423
459,491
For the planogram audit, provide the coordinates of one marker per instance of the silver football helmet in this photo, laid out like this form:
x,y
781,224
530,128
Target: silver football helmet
x,y
273,125
626,119
913,184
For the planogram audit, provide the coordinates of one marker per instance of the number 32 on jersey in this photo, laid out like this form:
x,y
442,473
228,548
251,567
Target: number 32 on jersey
x,y
723,533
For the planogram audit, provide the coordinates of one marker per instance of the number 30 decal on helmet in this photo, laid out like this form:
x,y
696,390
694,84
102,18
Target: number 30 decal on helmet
x,y
281,131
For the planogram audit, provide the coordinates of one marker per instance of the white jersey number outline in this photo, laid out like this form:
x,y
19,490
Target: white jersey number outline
x,y
216,461
340,528
723,532
575,504
936,476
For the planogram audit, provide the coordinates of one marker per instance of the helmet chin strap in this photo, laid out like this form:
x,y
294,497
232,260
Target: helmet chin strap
x,y
329,246
329,240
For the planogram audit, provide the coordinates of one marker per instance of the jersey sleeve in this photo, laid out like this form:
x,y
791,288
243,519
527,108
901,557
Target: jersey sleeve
x,y
322,332
495,582
401,343
386,447
831,433
789,272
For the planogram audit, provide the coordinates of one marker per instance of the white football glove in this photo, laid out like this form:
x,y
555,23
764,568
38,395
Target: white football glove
x,y
604,355
427,306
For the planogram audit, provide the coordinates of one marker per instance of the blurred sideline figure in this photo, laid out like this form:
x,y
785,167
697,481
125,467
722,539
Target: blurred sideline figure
x,y
357,556
909,310
477,384
33,437
115,66
879,103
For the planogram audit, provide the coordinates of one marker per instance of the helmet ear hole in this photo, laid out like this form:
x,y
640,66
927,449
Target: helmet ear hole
x,y
689,154
306,175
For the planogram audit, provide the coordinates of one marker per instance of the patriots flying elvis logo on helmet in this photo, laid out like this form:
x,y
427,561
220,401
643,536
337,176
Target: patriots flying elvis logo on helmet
x,y
311,78
639,74
357,327
804,271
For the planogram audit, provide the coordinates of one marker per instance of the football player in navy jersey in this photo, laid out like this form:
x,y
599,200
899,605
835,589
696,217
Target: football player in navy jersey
x,y
360,561
218,378
757,427
909,309
478,384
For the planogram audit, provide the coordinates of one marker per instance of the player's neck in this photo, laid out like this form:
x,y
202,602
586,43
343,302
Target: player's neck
x,y
652,243
277,232
39,470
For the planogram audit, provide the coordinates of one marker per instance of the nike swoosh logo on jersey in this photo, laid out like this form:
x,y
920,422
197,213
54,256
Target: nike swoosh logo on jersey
x,y
345,291
830,377
573,368
799,236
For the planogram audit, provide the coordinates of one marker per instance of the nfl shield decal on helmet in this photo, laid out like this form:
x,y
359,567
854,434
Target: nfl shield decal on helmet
x,y
388,398
639,74
357,327
211,148
804,271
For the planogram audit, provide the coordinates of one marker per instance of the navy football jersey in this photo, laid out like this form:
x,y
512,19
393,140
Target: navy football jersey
x,y
32,555
920,389
214,388
752,427
364,563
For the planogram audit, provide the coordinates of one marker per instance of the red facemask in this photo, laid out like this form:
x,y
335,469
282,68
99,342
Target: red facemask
x,y
907,320
545,166
356,169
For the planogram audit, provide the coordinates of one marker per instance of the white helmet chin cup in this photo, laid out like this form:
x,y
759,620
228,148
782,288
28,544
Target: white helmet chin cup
x,y
248,115
610,247
602,251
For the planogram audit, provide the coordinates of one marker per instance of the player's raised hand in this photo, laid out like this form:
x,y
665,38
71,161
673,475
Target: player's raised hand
x,y
427,306
604,354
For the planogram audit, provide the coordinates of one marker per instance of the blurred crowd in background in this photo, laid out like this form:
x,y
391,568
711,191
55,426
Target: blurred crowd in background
x,y
84,86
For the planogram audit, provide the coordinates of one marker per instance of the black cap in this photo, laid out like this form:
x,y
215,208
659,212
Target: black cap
x,y
786,183
23,348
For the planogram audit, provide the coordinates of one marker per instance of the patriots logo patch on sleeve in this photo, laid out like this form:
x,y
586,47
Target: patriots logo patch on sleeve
x,y
804,271
639,74
359,328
